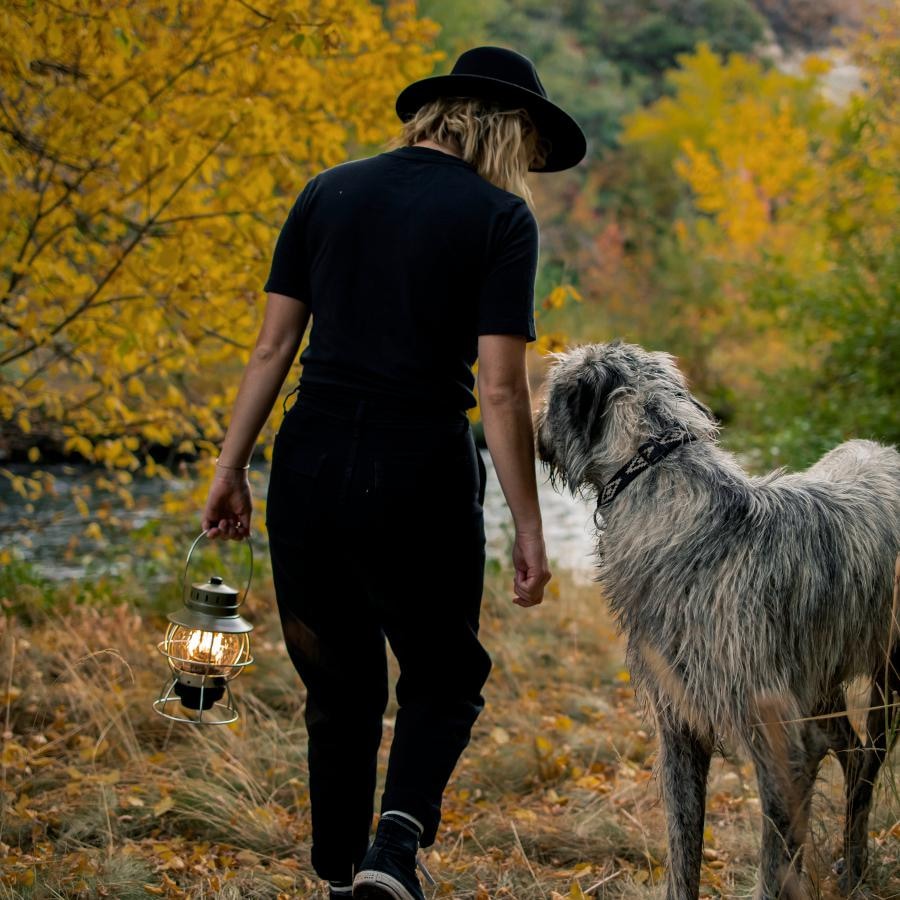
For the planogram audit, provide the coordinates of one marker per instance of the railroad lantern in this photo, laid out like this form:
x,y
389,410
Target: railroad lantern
x,y
207,645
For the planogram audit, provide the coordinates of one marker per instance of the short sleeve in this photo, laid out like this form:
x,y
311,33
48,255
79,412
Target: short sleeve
x,y
506,300
289,271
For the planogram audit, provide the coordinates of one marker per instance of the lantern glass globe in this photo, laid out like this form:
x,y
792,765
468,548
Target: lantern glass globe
x,y
212,653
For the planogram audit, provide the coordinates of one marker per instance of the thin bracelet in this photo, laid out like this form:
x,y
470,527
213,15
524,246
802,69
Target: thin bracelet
x,y
236,468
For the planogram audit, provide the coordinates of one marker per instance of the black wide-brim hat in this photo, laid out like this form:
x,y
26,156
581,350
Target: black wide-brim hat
x,y
510,79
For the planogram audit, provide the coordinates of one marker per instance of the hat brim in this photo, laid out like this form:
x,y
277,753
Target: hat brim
x,y
568,144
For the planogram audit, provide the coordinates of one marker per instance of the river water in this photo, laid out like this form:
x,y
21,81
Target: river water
x,y
568,526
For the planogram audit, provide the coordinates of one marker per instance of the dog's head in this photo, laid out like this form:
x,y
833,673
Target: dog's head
x,y
603,401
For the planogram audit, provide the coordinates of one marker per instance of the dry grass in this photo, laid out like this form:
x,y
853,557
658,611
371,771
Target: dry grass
x,y
555,797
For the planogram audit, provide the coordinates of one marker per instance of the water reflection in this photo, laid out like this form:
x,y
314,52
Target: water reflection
x,y
568,526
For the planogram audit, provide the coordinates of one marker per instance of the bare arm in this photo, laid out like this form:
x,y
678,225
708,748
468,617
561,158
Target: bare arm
x,y
506,412
229,505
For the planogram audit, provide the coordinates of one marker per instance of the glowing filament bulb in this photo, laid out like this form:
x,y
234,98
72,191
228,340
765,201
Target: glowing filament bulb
x,y
206,646
207,652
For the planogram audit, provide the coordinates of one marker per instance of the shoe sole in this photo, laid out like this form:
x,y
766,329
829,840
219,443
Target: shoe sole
x,y
372,885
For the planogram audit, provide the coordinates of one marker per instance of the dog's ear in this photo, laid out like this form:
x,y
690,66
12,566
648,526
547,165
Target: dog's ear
x,y
581,401
589,399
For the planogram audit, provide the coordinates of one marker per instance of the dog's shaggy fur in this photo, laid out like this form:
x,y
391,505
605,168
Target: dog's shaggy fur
x,y
747,602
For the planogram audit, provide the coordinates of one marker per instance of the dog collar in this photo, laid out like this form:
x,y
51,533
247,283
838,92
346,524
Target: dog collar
x,y
648,454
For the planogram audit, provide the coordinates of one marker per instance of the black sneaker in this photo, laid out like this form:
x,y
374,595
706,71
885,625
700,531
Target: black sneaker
x,y
388,871
339,891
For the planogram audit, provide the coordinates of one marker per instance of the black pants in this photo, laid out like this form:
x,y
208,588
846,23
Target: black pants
x,y
376,529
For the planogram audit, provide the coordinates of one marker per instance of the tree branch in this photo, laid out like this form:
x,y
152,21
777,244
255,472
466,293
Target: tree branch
x,y
16,353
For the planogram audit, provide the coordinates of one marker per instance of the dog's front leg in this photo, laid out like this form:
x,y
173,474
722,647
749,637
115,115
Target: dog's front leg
x,y
684,766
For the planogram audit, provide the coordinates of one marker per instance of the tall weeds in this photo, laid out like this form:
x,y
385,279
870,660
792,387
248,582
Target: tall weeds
x,y
555,797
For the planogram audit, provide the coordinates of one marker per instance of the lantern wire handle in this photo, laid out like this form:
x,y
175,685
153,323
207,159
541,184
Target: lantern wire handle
x,y
187,563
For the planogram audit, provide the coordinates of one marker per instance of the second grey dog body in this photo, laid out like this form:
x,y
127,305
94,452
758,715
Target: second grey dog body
x,y
747,602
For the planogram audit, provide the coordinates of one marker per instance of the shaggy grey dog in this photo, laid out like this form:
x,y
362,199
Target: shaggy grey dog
x,y
747,602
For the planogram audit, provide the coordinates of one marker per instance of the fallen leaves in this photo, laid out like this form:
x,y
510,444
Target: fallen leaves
x,y
163,806
553,798
500,736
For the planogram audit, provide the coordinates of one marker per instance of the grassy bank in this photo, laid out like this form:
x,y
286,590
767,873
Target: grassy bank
x,y
555,797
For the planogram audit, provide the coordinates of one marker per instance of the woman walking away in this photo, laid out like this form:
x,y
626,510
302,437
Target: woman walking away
x,y
411,263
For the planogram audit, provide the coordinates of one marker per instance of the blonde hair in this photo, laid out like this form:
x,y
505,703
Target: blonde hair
x,y
501,143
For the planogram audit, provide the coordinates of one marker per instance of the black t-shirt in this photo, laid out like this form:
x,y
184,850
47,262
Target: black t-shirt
x,y
405,258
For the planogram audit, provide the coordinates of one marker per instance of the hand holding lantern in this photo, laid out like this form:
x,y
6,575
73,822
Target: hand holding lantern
x,y
207,645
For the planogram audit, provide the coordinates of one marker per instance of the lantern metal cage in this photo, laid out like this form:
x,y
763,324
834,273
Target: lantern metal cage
x,y
207,645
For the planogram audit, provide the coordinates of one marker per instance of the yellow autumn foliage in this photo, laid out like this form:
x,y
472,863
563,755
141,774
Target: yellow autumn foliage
x,y
752,146
148,156
736,181
784,234
748,141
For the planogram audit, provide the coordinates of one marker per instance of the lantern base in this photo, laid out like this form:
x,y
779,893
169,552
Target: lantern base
x,y
210,710
200,697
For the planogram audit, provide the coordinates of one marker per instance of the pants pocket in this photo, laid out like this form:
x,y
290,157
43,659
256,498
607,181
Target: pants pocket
x,y
296,464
